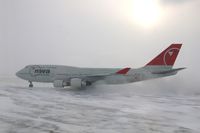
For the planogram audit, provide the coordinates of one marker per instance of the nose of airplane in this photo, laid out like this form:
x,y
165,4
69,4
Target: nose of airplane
x,y
19,73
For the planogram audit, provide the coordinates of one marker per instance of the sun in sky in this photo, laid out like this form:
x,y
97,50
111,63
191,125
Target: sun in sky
x,y
146,13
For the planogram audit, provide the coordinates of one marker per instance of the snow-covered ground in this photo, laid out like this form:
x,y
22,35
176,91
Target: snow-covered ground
x,y
103,109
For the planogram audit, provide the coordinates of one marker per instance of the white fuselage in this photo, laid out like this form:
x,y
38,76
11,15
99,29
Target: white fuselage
x,y
51,73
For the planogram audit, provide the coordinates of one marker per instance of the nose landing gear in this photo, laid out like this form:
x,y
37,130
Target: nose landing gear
x,y
30,84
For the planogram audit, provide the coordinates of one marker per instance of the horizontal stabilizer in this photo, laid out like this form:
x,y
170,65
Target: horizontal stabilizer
x,y
168,71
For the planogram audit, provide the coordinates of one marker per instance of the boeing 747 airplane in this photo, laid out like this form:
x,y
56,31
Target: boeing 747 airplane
x,y
76,77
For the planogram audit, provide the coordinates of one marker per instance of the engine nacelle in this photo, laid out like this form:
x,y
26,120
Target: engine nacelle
x,y
59,83
77,83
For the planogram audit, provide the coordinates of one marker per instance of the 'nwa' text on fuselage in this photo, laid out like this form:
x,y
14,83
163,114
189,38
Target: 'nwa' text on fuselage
x,y
42,71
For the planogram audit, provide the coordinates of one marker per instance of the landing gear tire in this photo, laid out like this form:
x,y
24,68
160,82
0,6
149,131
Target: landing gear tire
x,y
31,84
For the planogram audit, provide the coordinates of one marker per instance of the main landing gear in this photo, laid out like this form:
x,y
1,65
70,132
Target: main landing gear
x,y
30,84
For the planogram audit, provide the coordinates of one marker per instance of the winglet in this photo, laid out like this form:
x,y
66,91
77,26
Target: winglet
x,y
123,71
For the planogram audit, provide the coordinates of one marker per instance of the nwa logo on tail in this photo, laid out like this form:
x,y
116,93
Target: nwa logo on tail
x,y
167,57
170,56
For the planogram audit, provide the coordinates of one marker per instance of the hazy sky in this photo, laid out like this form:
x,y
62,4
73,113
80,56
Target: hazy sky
x,y
98,33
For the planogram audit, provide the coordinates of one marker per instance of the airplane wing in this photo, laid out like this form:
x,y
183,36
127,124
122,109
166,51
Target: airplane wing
x,y
94,78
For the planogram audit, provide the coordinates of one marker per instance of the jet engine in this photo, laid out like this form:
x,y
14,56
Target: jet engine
x,y
60,83
77,83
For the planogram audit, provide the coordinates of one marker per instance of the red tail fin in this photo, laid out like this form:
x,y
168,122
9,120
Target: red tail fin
x,y
167,57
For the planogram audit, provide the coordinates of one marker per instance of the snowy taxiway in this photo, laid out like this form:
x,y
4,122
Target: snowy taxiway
x,y
103,109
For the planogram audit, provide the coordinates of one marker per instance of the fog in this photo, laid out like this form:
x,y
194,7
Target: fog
x,y
99,33
93,33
